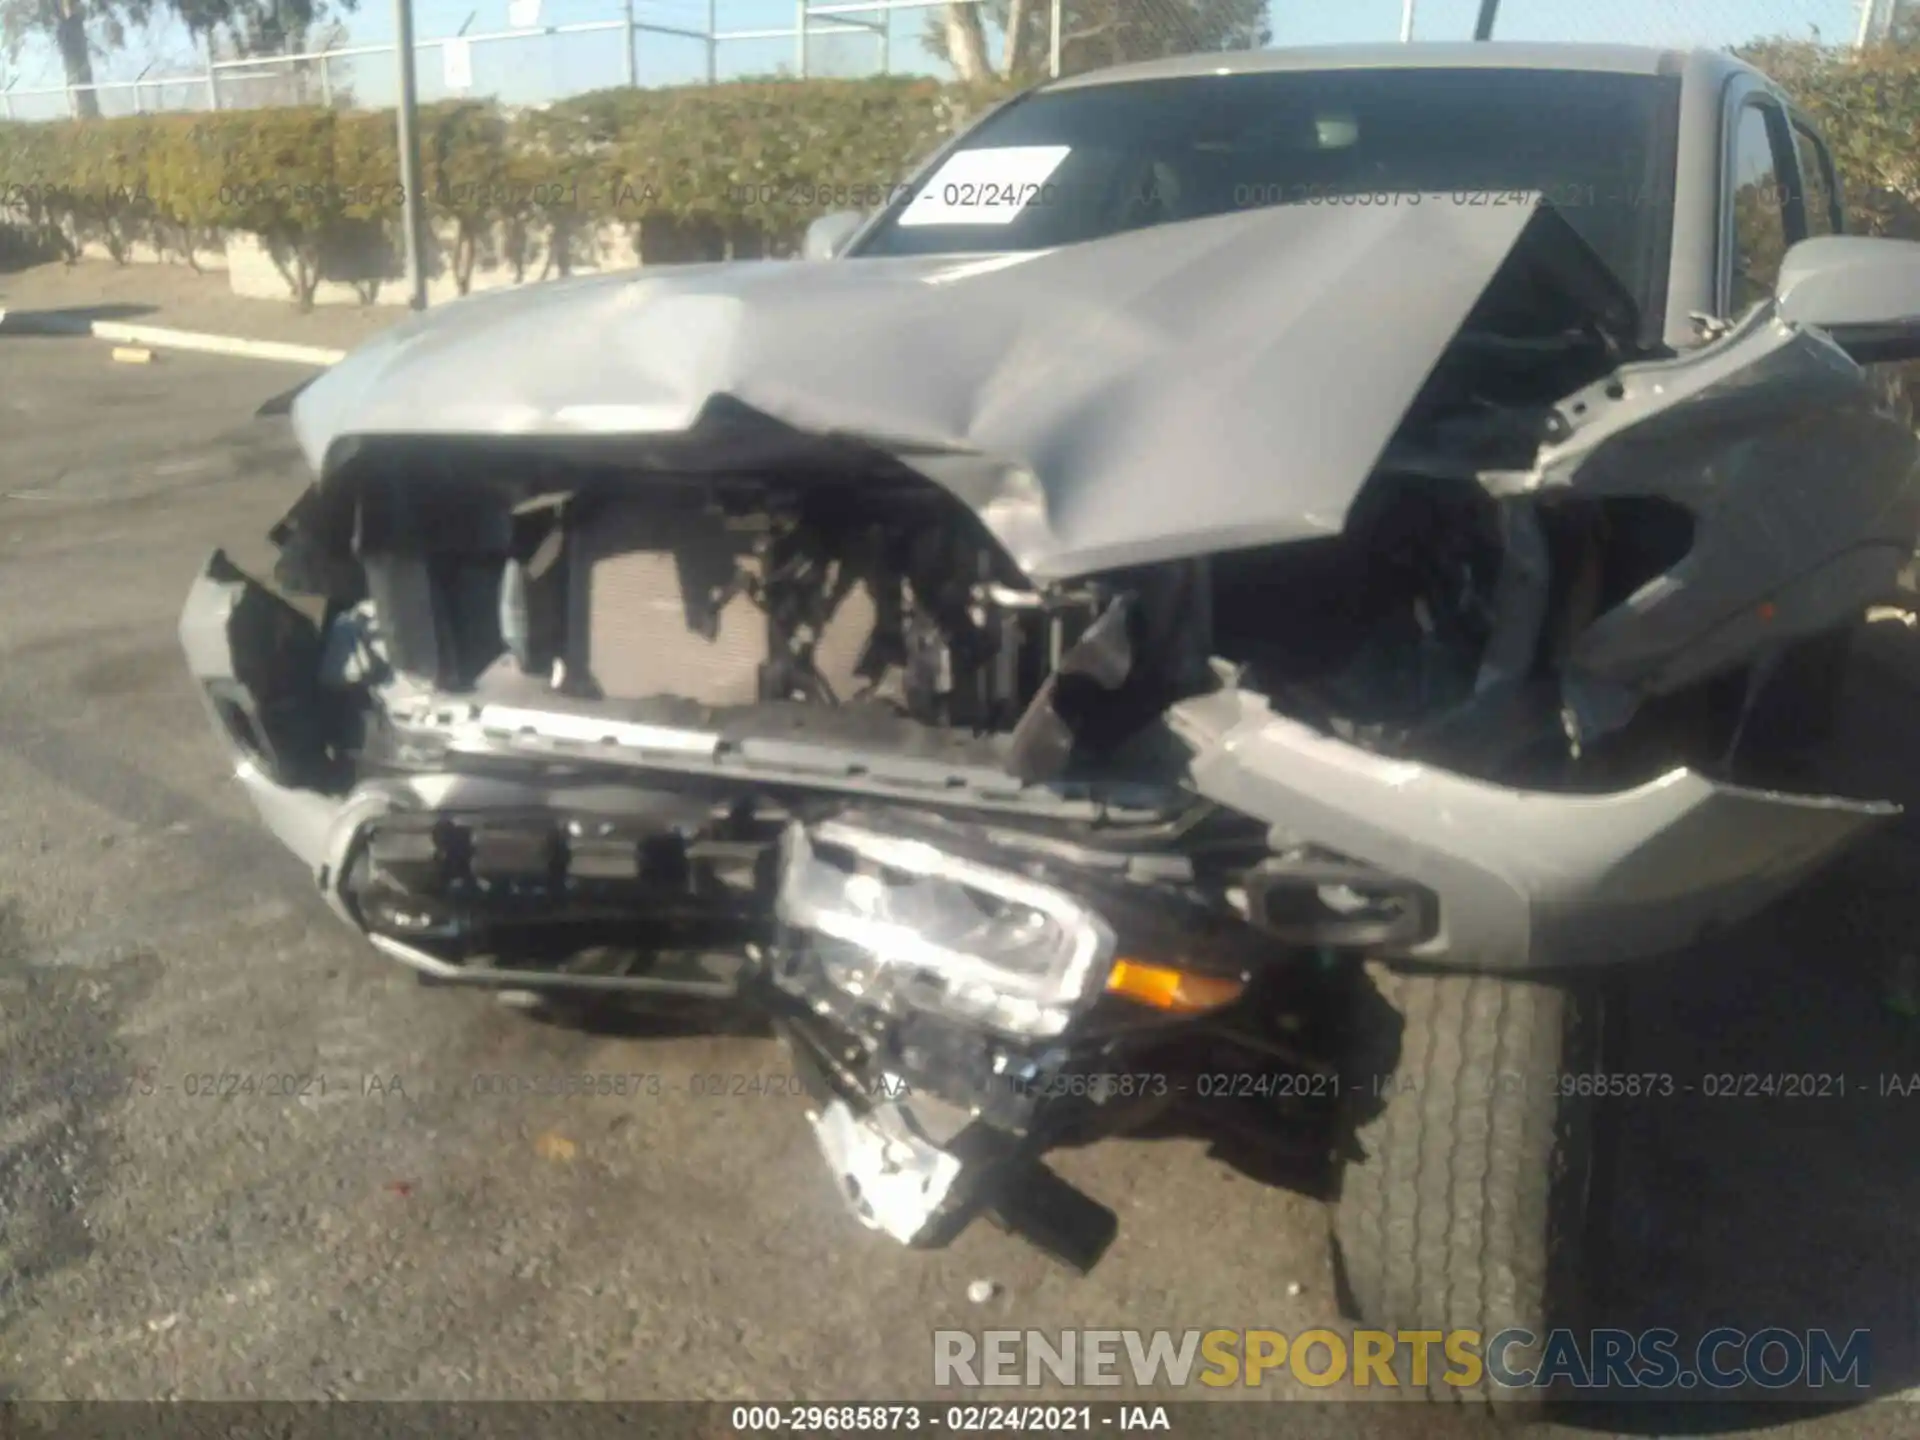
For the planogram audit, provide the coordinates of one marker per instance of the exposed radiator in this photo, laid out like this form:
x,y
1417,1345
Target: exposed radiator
x,y
643,580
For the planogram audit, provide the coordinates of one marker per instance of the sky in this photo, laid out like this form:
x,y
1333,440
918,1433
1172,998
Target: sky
x,y
533,68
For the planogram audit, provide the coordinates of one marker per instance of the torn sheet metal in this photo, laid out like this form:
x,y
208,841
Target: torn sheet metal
x,y
894,1179
1258,361
1802,492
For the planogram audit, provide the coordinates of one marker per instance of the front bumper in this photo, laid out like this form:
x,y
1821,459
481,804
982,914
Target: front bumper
x,y
1523,879
925,1120
1520,879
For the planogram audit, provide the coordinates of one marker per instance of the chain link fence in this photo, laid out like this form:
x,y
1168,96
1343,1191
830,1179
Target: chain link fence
x,y
527,52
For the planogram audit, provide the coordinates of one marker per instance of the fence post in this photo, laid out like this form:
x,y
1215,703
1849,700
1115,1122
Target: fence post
x,y
1053,41
713,45
213,85
1406,22
633,62
73,103
326,82
800,36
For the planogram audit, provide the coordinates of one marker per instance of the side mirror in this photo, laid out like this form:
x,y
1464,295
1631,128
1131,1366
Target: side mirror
x,y
1863,291
829,233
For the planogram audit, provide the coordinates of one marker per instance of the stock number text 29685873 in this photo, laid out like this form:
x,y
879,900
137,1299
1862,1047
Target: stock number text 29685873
x,y
953,1419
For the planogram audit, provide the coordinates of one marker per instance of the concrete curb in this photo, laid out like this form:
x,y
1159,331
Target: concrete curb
x,y
161,338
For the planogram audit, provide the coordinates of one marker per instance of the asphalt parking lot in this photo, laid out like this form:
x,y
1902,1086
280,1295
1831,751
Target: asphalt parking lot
x,y
402,1236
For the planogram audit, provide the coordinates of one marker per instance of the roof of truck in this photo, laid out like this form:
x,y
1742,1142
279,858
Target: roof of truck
x,y
1435,55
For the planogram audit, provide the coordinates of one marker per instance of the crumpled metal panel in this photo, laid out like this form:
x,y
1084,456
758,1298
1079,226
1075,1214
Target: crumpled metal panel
x,y
1150,396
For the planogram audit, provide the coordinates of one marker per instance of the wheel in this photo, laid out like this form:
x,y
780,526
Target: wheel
x,y
1466,1191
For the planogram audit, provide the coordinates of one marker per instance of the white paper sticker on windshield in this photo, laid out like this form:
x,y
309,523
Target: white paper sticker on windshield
x,y
989,186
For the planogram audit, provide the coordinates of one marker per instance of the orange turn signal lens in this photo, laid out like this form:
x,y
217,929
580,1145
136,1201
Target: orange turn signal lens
x,y
1179,992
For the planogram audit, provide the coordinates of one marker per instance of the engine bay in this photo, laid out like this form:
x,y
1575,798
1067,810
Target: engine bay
x,y
725,599
1430,627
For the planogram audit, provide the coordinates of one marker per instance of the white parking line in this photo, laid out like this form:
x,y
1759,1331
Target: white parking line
x,y
162,337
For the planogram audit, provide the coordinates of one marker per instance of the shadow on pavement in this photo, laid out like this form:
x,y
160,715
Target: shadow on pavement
x,y
70,321
639,1022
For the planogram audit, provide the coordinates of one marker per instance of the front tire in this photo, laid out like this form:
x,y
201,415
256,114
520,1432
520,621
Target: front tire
x,y
1467,1187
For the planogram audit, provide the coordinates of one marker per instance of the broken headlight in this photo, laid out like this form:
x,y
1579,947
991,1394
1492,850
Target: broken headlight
x,y
898,923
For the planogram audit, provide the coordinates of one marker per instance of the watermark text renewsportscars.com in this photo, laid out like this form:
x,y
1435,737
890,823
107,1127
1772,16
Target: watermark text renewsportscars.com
x,y
1771,1358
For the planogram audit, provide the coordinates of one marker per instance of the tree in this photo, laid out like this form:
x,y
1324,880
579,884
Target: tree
x,y
258,27
259,36
81,29
1093,33
76,27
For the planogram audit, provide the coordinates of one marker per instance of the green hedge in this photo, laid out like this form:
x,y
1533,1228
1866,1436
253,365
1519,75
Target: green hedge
x,y
741,166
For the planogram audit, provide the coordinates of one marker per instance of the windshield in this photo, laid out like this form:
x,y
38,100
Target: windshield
x,y
1064,166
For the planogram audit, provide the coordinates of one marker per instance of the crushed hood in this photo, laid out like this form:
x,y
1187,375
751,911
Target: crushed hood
x,y
1191,387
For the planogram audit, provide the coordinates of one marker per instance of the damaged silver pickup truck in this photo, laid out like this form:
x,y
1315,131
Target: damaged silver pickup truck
x,y
1239,594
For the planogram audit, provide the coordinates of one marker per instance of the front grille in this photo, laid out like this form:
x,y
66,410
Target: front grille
x,y
428,874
